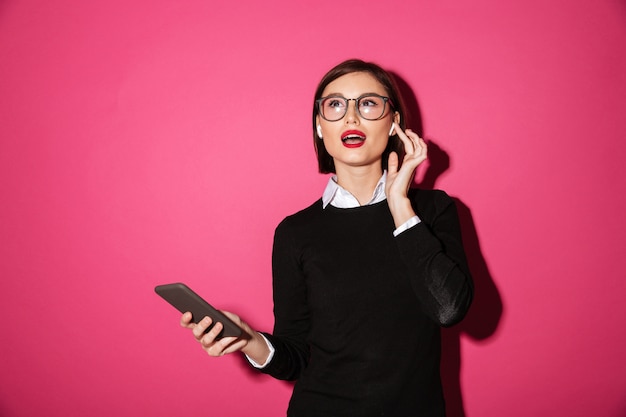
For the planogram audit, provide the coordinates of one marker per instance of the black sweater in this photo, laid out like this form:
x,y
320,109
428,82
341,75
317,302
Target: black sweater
x,y
357,310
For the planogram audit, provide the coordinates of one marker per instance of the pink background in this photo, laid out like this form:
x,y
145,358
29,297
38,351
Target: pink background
x,y
144,142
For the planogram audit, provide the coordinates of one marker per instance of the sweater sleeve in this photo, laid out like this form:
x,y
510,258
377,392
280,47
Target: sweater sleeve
x,y
433,253
291,312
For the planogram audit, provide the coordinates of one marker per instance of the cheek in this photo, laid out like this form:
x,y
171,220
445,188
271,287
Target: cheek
x,y
381,136
330,145
331,136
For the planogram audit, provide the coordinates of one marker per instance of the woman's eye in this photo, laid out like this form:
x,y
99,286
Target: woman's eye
x,y
335,103
369,102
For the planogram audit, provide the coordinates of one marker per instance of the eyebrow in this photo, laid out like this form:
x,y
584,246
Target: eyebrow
x,y
361,95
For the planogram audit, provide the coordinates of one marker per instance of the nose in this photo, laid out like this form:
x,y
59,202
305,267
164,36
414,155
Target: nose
x,y
352,115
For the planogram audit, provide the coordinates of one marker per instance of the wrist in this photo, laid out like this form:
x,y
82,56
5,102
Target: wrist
x,y
401,210
256,348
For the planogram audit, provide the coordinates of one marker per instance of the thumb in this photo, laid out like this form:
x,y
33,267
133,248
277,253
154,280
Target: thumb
x,y
392,163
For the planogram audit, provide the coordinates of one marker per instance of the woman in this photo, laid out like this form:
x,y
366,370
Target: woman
x,y
365,277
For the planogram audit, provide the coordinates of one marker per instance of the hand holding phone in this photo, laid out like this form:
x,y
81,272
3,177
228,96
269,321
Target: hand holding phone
x,y
184,299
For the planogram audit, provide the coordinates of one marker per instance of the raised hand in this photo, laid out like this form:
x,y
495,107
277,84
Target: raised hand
x,y
399,180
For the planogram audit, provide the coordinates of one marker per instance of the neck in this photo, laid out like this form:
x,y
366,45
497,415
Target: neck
x,y
359,181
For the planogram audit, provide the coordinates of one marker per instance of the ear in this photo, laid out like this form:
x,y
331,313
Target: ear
x,y
396,122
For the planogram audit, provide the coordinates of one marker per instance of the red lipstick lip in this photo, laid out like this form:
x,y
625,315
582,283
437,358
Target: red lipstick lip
x,y
353,145
352,132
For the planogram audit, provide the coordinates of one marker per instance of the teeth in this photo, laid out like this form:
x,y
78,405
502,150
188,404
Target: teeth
x,y
353,137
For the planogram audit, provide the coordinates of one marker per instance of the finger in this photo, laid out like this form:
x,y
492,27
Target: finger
x,y
234,345
408,138
246,329
415,138
404,178
408,145
225,346
421,149
200,328
185,320
232,316
210,337
392,163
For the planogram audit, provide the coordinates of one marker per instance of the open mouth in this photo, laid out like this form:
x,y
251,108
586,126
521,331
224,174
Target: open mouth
x,y
353,138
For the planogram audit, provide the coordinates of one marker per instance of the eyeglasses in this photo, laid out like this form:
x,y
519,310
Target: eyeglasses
x,y
368,106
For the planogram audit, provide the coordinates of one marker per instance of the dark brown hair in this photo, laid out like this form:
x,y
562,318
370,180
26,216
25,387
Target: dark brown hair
x,y
325,161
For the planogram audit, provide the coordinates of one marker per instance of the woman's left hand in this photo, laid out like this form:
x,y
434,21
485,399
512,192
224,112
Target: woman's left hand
x,y
399,180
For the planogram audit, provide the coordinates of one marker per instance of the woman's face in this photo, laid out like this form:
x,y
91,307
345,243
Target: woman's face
x,y
354,141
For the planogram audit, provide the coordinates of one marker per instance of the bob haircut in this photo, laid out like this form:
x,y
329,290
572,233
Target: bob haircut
x,y
325,161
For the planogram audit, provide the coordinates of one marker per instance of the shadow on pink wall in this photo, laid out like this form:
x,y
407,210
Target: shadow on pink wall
x,y
484,315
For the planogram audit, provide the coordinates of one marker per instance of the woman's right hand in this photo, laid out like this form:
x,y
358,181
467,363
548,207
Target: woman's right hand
x,y
251,343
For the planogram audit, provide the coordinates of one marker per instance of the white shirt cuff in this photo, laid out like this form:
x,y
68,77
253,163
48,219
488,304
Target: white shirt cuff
x,y
269,357
407,225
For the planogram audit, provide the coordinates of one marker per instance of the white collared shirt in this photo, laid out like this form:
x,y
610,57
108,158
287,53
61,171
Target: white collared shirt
x,y
337,196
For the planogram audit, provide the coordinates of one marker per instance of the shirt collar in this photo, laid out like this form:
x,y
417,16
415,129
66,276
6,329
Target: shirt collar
x,y
339,197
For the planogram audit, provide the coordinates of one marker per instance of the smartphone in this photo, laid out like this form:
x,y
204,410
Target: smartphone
x,y
184,299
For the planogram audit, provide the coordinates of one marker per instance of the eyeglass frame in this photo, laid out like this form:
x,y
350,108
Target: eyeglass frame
x,y
319,101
